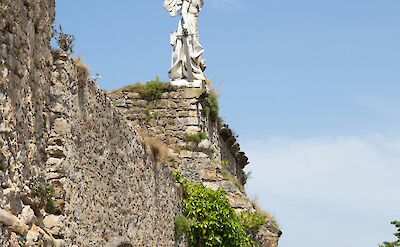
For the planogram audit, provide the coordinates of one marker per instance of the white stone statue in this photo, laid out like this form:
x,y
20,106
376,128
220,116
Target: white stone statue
x,y
187,61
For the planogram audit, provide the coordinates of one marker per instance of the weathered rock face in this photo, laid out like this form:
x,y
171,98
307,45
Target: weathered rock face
x,y
72,169
25,64
108,184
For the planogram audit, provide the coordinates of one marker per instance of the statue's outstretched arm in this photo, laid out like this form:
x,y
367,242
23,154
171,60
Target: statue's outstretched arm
x,y
173,6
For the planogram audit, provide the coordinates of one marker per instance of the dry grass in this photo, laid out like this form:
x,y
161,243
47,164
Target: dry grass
x,y
81,68
156,147
136,87
268,215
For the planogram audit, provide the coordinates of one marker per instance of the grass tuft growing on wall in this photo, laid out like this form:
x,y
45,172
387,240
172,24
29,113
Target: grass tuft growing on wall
x,y
151,90
82,69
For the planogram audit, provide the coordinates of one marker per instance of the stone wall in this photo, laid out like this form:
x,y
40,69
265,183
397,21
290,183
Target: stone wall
x,y
73,171
25,65
216,161
109,182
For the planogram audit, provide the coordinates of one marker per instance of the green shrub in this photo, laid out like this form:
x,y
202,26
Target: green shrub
x,y
155,88
195,138
215,223
210,106
149,114
44,192
152,90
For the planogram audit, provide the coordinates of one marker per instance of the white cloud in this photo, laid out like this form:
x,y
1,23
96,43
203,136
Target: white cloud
x,y
307,179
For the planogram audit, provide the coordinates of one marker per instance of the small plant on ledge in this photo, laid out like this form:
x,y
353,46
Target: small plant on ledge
x,y
149,114
43,194
253,220
150,91
210,106
65,42
195,138
82,69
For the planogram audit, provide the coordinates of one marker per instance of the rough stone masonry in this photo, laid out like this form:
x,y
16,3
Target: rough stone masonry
x,y
73,169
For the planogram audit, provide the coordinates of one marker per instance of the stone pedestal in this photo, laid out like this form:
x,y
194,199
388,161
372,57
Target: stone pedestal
x,y
185,83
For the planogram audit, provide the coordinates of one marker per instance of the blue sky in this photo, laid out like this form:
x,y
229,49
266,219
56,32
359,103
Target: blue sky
x,y
312,88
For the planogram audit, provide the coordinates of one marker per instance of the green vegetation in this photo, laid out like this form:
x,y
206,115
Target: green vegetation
x,y
268,216
195,138
152,90
213,222
253,220
149,114
182,225
397,234
210,106
44,193
225,162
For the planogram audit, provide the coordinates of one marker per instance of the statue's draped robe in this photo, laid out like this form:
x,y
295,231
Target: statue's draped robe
x,y
181,69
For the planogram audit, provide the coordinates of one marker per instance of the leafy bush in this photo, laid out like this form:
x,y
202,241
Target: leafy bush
x,y
210,106
397,234
215,223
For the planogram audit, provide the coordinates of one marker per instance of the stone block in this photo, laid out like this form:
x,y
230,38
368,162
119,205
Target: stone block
x,y
188,121
54,224
61,126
